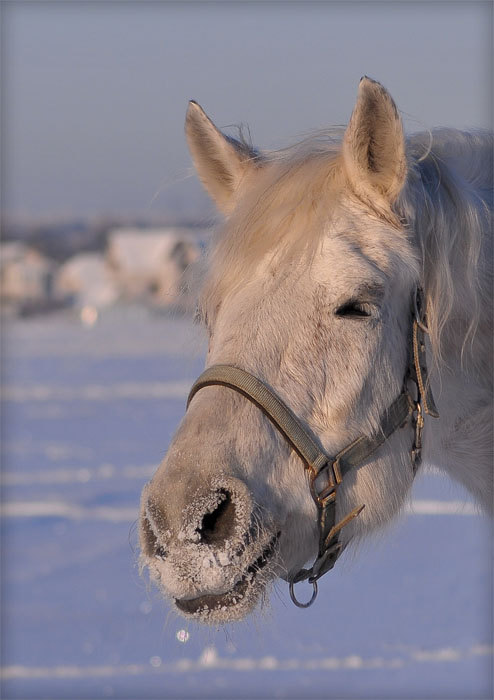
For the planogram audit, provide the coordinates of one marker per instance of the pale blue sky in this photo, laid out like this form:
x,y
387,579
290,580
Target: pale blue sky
x,y
95,92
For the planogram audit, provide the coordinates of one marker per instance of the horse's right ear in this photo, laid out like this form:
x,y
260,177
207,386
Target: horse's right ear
x,y
374,145
221,161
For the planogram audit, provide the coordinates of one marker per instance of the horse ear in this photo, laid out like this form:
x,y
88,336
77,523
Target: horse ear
x,y
221,161
374,144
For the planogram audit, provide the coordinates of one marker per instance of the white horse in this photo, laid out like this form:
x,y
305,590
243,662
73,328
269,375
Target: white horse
x,y
313,296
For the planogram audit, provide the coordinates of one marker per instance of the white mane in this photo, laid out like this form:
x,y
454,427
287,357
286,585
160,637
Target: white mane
x,y
441,205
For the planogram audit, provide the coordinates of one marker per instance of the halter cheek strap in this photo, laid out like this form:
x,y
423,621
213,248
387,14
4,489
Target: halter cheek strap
x,y
320,466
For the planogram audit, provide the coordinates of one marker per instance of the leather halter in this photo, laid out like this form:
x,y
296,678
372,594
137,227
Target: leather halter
x,y
320,466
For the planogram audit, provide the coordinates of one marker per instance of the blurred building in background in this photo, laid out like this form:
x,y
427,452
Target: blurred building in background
x,y
150,266
154,265
25,277
86,279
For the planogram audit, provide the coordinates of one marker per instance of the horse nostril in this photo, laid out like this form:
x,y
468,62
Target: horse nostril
x,y
217,526
160,553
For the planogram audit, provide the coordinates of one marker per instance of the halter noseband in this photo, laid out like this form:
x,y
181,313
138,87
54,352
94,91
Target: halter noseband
x,y
318,463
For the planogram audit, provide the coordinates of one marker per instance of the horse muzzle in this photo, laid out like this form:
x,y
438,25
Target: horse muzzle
x,y
216,560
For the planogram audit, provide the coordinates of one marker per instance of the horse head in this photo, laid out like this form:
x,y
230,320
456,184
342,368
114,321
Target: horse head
x,y
308,290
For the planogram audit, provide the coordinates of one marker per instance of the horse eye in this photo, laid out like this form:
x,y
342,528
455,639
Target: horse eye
x,y
353,309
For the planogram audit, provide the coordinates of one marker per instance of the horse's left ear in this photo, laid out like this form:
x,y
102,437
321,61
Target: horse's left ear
x,y
374,144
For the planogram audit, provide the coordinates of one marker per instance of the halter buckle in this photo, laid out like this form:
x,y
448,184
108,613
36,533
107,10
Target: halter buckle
x,y
328,493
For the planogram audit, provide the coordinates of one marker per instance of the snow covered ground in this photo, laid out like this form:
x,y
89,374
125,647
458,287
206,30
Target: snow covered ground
x,y
87,415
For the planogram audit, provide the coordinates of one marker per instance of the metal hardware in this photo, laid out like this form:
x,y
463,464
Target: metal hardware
x,y
419,309
418,425
328,492
294,598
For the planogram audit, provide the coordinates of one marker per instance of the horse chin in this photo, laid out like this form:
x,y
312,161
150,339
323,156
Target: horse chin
x,y
236,603
231,606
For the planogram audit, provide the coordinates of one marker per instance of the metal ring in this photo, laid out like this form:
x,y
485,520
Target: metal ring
x,y
298,603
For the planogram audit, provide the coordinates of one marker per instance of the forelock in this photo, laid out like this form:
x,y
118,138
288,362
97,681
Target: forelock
x,y
283,214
